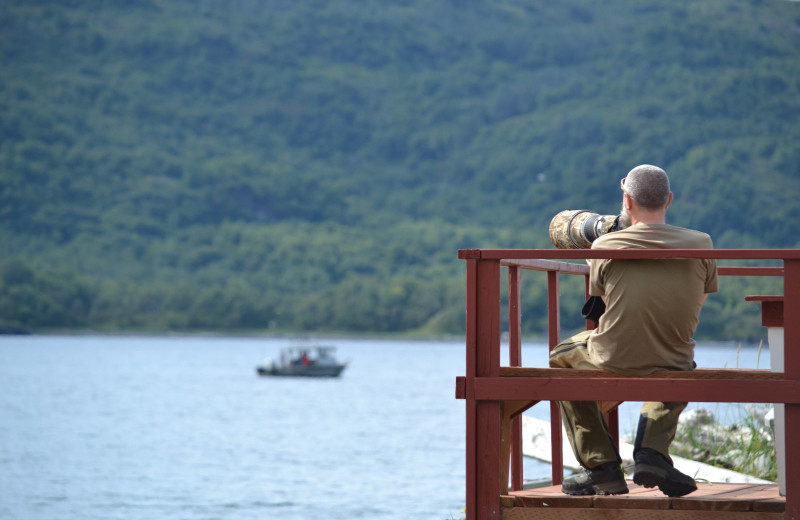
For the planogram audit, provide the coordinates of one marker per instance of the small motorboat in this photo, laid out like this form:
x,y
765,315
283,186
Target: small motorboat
x,y
304,361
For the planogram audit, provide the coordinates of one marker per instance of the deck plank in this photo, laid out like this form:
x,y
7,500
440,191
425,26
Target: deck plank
x,y
710,502
770,505
637,498
526,513
712,497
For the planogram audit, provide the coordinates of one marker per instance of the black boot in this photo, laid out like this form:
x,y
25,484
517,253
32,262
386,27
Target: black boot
x,y
605,479
653,469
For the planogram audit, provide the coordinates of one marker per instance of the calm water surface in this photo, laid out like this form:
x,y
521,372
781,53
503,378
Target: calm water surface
x,y
182,428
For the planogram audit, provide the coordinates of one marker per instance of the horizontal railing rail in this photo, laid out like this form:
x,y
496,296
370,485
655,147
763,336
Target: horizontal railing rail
x,y
582,254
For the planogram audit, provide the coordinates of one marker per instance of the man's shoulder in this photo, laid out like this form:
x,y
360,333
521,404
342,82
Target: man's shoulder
x,y
659,236
693,238
632,237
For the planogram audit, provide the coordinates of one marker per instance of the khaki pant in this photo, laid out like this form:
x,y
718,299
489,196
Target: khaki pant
x,y
586,428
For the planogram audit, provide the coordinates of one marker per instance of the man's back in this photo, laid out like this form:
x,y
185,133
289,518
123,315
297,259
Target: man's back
x,y
652,306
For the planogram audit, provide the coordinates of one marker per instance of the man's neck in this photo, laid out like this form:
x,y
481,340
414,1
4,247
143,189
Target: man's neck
x,y
657,217
641,215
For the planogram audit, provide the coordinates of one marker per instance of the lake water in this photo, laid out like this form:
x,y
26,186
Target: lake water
x,y
182,428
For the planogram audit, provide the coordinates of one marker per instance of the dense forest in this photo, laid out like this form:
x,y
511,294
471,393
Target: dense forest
x,y
280,166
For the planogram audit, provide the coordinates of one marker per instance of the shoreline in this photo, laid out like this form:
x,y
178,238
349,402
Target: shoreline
x,y
324,335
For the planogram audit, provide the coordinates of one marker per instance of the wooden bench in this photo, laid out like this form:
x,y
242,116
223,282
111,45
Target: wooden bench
x,y
515,384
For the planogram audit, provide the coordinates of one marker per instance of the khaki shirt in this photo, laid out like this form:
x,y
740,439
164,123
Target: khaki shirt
x,y
652,306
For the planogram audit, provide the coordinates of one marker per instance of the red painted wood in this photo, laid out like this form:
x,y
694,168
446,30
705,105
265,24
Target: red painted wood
x,y
590,325
553,306
472,317
575,254
574,268
764,298
515,360
749,271
738,374
516,454
772,314
771,309
556,455
461,387
487,495
548,265
487,478
514,315
488,319
638,389
471,421
792,454
554,337
791,345
613,425
469,254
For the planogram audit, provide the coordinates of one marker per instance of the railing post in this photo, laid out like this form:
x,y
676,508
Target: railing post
x,y
589,324
554,337
471,339
791,331
483,417
515,360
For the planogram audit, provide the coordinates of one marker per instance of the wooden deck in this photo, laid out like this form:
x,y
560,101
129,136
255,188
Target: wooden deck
x,y
709,502
495,395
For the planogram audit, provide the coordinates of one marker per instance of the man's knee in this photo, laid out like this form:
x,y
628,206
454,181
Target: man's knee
x,y
559,355
571,353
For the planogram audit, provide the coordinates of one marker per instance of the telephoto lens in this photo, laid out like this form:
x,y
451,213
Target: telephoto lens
x,y
578,228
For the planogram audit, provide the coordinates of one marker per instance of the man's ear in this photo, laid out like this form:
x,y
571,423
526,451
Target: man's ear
x,y
669,200
627,201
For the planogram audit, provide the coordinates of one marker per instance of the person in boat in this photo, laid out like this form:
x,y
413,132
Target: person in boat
x,y
652,311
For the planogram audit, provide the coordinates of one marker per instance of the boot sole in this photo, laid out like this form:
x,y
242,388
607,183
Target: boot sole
x,y
608,488
652,476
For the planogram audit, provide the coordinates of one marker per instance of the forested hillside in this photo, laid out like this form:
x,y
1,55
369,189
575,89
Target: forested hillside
x,y
312,165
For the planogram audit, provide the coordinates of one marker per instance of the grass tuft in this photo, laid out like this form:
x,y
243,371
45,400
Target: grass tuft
x,y
746,447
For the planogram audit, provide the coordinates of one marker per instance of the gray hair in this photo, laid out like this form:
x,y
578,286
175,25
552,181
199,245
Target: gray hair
x,y
648,186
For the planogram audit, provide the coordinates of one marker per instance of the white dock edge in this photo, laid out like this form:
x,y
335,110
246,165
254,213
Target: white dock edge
x,y
536,445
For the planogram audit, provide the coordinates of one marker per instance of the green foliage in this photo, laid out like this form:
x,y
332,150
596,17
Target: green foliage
x,y
29,299
316,165
747,446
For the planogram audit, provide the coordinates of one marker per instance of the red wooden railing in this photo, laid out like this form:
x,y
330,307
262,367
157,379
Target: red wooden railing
x,y
486,392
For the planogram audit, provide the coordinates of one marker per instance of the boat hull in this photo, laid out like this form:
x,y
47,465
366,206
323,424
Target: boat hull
x,y
301,371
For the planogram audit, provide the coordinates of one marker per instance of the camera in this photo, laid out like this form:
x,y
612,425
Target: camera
x,y
578,228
